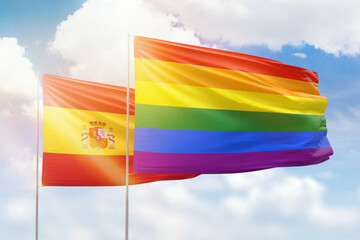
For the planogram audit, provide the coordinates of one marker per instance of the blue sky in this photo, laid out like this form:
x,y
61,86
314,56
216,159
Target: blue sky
x,y
87,40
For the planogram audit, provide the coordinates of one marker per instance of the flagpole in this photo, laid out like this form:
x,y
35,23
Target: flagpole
x,y
37,161
127,146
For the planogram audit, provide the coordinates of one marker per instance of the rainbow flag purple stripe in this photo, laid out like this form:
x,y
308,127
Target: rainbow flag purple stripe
x,y
201,110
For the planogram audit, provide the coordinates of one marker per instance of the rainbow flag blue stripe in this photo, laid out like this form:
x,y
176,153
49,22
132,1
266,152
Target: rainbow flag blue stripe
x,y
195,141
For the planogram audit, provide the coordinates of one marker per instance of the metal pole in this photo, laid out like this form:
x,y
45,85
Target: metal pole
x,y
37,161
127,147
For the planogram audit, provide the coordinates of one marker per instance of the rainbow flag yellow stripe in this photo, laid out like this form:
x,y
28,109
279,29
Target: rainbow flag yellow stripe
x,y
203,76
176,95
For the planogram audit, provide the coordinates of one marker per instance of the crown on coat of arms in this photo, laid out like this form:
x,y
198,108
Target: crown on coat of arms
x,y
98,124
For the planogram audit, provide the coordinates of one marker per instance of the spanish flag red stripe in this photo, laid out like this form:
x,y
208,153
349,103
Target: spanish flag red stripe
x,y
83,95
95,170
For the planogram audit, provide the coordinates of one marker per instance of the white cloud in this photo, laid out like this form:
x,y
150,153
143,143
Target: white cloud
x,y
286,195
16,75
18,210
179,194
331,25
6,112
24,161
95,37
20,163
271,202
300,55
81,233
30,109
18,88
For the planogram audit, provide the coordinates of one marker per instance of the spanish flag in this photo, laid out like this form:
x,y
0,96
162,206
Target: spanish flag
x,y
202,110
84,130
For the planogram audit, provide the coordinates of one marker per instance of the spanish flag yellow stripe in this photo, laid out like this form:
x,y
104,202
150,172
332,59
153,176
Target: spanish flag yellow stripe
x,y
175,95
64,130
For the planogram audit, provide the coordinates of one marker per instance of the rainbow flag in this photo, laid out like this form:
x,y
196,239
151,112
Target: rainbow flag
x,y
202,110
84,135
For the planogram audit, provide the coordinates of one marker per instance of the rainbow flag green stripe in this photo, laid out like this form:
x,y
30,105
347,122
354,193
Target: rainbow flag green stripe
x,y
201,110
166,117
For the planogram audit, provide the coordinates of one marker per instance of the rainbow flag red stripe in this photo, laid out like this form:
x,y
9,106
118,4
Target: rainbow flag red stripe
x,y
203,110
84,127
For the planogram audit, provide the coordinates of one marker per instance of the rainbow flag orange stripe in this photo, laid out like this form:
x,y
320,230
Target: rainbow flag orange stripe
x,y
203,110
84,127
156,49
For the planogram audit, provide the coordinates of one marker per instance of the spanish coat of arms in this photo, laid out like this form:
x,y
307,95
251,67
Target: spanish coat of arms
x,y
100,136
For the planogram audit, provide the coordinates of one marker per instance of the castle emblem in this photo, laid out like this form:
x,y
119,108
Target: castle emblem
x,y
100,136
